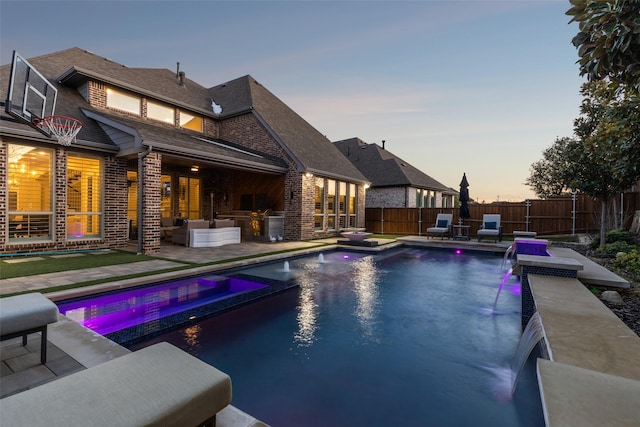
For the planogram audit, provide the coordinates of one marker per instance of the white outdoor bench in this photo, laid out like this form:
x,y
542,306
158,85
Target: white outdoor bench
x,y
26,314
159,385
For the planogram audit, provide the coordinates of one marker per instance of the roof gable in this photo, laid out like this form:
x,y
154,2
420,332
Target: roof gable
x,y
311,150
383,168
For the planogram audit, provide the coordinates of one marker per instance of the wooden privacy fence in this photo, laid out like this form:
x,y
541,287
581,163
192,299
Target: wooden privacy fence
x,y
557,216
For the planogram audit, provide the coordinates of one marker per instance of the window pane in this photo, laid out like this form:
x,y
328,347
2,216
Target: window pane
x,y
29,174
331,204
132,204
84,197
189,198
189,121
319,197
165,196
122,101
319,204
352,205
160,112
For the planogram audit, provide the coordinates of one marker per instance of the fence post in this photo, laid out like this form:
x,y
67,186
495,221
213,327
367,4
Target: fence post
x,y
382,220
419,221
573,214
621,225
527,218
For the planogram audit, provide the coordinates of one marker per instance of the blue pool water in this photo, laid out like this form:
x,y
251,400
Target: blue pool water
x,y
404,338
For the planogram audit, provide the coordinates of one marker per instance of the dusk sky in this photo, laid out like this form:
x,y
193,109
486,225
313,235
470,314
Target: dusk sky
x,y
481,87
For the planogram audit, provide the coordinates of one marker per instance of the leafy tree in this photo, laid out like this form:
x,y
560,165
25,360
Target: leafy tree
x,y
608,42
553,175
602,159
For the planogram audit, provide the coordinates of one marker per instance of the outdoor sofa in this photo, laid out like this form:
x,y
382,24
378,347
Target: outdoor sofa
x,y
159,385
181,234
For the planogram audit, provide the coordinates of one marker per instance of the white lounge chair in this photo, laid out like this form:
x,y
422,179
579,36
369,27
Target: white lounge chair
x,y
490,227
442,227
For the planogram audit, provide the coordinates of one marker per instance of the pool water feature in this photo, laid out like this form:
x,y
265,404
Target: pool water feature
x,y
399,338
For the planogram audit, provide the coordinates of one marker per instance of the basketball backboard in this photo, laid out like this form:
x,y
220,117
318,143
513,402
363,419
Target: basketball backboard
x,y
30,96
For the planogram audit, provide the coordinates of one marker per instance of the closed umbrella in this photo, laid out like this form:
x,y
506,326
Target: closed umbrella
x,y
464,198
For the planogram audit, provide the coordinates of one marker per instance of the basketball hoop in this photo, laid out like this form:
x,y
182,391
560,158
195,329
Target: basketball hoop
x,y
63,128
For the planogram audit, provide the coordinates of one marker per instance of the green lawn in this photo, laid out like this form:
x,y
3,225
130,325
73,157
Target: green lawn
x,y
48,264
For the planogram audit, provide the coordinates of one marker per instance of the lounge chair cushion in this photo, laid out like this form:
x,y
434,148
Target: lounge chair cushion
x,y
160,385
25,312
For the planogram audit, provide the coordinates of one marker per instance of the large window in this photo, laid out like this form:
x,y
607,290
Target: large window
x,y
160,112
336,205
189,121
189,198
30,172
123,102
84,197
319,204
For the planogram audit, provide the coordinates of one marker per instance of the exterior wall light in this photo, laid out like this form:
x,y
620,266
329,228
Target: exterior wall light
x,y
195,168
308,174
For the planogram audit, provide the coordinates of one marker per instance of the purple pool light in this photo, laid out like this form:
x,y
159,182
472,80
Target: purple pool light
x,y
111,312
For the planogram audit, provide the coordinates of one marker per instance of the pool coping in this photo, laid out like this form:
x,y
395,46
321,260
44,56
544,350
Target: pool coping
x,y
592,377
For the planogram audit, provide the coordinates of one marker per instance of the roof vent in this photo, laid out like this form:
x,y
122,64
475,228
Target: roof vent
x,y
383,144
181,78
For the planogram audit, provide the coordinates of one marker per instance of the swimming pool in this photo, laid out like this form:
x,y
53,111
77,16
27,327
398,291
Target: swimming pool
x,y
405,337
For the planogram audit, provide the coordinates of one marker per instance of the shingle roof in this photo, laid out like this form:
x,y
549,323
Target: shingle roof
x,y
384,169
193,145
311,150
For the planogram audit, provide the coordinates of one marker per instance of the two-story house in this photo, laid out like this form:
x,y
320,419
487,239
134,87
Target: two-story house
x,y
155,144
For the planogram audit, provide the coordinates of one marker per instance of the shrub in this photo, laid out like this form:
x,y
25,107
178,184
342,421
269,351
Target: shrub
x,y
622,236
619,235
630,263
614,248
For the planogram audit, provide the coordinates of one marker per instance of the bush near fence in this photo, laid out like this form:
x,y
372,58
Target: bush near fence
x,y
546,217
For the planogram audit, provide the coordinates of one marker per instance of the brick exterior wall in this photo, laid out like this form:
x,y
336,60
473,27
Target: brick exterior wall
x,y
152,169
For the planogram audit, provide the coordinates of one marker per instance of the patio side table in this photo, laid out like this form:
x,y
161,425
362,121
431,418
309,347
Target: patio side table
x,y
461,232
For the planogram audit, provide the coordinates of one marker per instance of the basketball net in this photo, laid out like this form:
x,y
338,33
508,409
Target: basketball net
x,y
63,128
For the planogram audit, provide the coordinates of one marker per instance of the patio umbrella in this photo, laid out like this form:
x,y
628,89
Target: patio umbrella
x,y
464,198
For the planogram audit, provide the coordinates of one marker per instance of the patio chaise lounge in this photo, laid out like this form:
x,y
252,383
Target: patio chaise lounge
x,y
490,227
442,226
159,385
